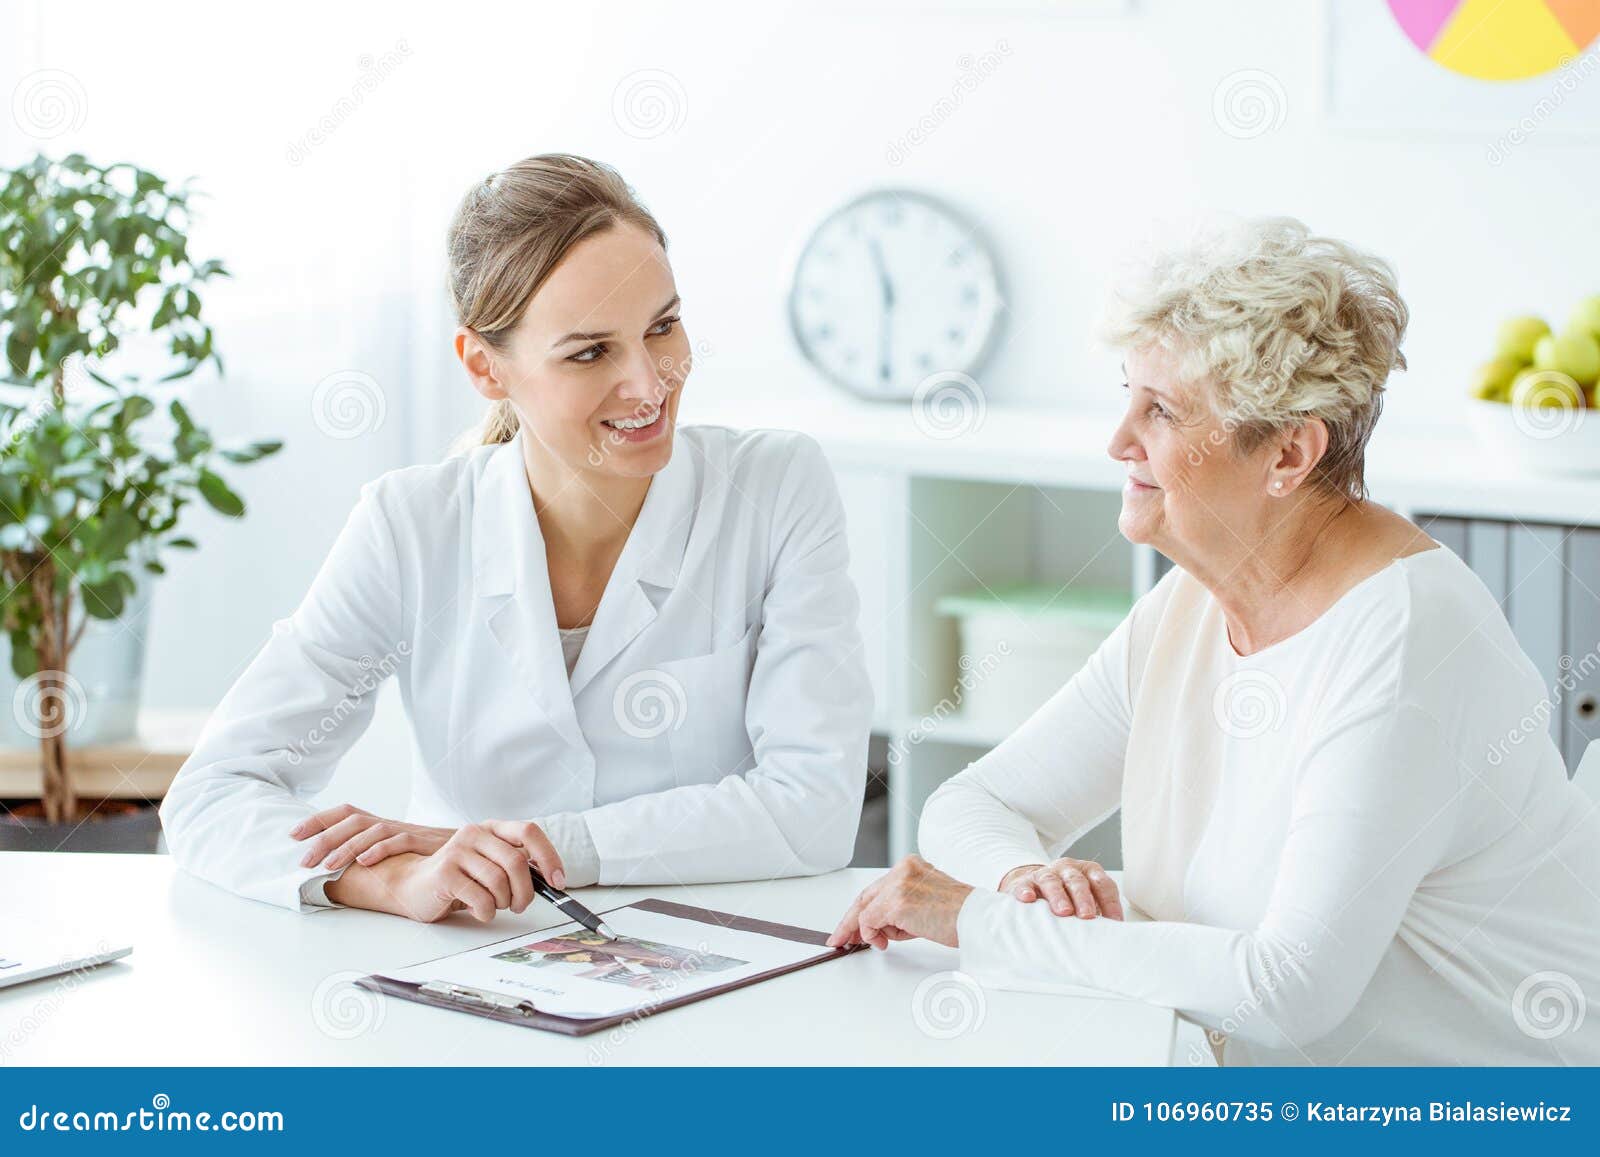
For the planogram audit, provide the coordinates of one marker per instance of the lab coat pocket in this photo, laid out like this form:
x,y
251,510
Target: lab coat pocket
x,y
712,741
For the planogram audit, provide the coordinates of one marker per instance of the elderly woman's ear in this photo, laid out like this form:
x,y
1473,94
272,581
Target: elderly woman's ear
x,y
1296,461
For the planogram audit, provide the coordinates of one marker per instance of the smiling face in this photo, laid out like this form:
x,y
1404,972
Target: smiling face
x,y
1189,491
595,367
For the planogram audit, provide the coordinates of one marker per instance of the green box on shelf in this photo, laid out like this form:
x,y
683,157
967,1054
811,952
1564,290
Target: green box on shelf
x,y
1019,643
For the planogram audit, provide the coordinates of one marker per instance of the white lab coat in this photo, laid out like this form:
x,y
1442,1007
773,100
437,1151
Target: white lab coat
x,y
715,727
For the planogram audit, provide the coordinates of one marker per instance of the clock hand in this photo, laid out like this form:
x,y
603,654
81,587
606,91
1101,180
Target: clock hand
x,y
885,367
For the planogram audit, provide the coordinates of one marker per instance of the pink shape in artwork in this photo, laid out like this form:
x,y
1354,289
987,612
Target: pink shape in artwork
x,y
1422,20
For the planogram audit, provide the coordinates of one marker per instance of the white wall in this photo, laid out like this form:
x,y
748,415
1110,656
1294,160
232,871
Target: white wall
x,y
1088,130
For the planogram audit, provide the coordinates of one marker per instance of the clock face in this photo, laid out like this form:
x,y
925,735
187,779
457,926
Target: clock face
x,y
892,289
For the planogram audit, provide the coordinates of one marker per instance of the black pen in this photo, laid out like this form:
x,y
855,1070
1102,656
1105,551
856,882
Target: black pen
x,y
569,906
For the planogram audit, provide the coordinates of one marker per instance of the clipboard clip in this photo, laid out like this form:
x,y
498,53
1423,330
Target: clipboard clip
x,y
469,997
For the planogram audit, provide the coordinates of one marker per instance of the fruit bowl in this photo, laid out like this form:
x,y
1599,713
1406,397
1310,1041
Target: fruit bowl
x,y
1539,440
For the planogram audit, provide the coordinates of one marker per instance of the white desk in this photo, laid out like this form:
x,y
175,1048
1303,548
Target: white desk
x,y
215,980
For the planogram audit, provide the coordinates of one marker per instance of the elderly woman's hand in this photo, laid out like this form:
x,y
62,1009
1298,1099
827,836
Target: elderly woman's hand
x,y
1071,887
914,900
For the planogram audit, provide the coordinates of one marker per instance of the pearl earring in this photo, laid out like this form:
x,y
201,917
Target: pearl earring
x,y
1278,485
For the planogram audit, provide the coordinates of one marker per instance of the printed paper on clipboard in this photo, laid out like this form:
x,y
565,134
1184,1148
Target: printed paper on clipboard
x,y
568,971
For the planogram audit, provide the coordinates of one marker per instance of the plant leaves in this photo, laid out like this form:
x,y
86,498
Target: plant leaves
x,y
216,493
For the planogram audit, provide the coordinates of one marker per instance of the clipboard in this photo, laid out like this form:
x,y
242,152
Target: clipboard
x,y
501,1007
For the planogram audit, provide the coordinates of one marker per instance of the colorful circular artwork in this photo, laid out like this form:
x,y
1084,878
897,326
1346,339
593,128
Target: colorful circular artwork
x,y
1499,39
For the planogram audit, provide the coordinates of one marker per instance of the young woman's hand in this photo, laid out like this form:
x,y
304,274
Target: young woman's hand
x,y
481,867
1071,887
343,835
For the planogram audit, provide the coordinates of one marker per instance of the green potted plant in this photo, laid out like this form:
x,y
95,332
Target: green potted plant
x,y
96,467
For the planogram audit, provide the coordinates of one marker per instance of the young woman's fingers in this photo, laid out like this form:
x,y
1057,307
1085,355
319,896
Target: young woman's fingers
x,y
1083,902
393,846
322,820
490,874
513,861
480,901
350,851
537,845
1054,893
328,841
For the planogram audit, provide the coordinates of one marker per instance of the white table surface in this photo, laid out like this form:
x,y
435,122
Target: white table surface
x,y
216,980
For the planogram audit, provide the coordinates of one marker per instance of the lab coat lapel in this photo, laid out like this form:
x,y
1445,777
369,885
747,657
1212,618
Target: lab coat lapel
x,y
511,582
647,567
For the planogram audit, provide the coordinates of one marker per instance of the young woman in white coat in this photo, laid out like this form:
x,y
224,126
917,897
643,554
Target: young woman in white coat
x,y
628,650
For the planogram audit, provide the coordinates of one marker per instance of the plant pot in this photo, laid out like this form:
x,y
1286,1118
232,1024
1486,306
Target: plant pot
x,y
103,692
113,825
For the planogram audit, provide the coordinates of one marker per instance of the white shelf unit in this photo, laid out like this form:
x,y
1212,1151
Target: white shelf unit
x,y
1030,494
915,539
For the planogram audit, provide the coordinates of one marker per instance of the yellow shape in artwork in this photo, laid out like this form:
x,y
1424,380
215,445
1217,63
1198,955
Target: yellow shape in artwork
x,y
1503,40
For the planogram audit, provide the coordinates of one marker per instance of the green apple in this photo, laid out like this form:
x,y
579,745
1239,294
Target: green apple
x,y
1518,335
1492,381
1586,317
1574,353
1547,389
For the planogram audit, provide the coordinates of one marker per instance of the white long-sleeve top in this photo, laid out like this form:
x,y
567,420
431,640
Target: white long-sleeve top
x,y
1358,846
713,727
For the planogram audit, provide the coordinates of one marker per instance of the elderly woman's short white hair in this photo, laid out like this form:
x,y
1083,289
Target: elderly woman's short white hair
x,y
1280,326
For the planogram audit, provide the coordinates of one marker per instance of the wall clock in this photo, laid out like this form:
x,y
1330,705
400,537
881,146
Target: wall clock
x,y
891,288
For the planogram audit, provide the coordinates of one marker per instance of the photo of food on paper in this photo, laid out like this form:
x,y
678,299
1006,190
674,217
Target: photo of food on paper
x,y
569,971
643,964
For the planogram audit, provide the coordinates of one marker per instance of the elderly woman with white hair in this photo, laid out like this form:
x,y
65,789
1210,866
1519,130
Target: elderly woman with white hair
x,y
1339,861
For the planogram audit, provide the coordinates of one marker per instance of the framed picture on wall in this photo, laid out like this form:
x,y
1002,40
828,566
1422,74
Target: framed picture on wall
x,y
1499,70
